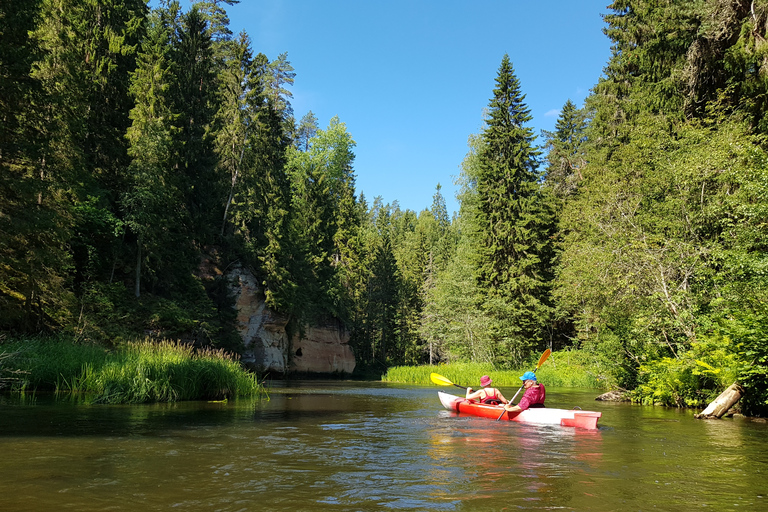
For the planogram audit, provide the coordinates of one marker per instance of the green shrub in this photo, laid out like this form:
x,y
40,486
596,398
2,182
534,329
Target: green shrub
x,y
737,347
693,378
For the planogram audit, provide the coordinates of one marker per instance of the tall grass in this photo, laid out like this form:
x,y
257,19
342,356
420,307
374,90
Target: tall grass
x,y
6,374
561,369
145,371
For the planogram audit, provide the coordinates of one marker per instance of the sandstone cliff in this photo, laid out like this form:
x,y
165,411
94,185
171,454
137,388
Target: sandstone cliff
x,y
322,349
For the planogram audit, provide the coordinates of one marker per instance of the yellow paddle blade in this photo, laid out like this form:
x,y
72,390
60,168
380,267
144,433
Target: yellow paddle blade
x,y
543,358
440,380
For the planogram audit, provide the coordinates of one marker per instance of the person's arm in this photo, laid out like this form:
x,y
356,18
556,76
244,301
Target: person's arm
x,y
501,397
473,395
524,403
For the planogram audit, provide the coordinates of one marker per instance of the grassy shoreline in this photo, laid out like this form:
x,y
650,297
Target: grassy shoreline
x,y
137,372
562,369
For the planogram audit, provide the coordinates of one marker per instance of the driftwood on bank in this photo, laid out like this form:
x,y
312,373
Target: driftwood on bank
x,y
722,403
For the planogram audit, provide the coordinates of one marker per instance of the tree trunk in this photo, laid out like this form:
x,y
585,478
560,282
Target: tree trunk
x,y
722,403
137,284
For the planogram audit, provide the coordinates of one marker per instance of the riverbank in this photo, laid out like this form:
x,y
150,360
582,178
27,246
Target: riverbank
x,y
562,369
137,372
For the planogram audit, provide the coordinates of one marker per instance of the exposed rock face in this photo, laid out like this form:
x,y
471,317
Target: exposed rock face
x,y
323,349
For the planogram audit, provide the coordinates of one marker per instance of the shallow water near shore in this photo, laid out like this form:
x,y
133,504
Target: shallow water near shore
x,y
331,445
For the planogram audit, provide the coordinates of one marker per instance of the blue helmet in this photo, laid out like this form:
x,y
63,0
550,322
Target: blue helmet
x,y
528,376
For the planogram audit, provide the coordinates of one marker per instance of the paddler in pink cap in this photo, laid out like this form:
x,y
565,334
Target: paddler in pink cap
x,y
486,395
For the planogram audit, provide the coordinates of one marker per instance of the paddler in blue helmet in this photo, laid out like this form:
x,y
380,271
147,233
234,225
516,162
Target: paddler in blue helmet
x,y
534,394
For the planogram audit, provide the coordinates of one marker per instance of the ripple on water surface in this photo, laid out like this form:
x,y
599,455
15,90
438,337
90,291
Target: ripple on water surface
x,y
371,446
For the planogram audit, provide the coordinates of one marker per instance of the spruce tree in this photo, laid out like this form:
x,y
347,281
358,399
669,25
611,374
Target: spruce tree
x,y
75,111
240,98
152,201
323,209
35,214
514,224
195,102
565,157
443,248
383,289
260,208
102,37
439,210
280,75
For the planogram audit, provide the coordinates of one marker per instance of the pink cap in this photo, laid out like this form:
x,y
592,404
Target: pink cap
x,y
485,380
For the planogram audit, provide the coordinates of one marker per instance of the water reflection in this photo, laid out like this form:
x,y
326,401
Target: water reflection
x,y
515,463
370,446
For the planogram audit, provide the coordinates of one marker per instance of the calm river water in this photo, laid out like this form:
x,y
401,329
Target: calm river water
x,y
349,446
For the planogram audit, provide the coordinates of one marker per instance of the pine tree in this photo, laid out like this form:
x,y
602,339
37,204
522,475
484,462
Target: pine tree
x,y
514,223
306,130
217,20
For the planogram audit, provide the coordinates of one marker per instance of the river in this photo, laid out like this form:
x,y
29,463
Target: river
x,y
354,446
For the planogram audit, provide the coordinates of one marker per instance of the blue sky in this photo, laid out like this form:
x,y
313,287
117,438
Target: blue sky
x,y
410,79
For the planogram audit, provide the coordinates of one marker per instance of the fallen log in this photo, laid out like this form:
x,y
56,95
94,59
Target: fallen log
x,y
722,403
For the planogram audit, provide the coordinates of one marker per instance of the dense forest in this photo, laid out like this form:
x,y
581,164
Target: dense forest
x,y
137,143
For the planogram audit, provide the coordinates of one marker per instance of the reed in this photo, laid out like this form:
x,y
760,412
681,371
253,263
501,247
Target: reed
x,y
562,369
6,374
145,371
40,363
463,374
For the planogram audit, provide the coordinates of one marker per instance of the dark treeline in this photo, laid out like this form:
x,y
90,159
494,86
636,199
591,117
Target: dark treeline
x,y
142,151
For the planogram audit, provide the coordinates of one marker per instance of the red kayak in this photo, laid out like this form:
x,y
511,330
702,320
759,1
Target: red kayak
x,y
541,416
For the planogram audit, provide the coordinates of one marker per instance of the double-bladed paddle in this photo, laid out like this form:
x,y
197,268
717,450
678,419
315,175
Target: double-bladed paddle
x,y
543,358
442,381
